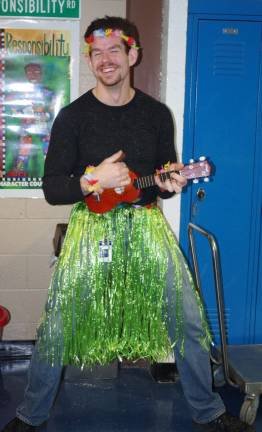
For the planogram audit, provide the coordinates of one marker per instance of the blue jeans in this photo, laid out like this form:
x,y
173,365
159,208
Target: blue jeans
x,y
194,369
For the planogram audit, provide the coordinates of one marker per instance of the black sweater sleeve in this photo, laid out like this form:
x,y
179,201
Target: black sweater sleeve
x,y
60,185
166,147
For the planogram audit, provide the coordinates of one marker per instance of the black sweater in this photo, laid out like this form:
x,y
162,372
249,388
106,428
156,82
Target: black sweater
x,y
87,131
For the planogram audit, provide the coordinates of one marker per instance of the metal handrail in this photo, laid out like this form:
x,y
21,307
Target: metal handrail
x,y
218,288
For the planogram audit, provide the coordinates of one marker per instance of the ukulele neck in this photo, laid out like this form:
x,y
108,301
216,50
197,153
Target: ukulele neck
x,y
148,181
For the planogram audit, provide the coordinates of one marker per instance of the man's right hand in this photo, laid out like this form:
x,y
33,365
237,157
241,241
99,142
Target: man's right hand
x,y
111,173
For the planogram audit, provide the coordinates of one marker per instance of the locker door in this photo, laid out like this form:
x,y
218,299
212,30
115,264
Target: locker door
x,y
222,119
258,298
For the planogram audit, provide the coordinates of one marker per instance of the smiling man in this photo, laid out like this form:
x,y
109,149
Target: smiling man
x,y
121,287
110,63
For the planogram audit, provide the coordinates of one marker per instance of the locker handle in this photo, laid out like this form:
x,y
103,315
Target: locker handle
x,y
201,193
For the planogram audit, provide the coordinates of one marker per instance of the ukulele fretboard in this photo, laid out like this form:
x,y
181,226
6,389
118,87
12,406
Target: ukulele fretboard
x,y
147,181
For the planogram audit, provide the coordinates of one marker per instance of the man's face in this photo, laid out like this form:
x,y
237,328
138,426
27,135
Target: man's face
x,y
109,61
33,73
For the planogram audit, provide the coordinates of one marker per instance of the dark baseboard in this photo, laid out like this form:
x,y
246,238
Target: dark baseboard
x,y
164,372
17,351
97,372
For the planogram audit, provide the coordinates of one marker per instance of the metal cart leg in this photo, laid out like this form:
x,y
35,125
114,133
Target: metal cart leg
x,y
251,387
218,286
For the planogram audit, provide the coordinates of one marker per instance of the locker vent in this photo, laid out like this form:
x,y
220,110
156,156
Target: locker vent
x,y
229,58
214,322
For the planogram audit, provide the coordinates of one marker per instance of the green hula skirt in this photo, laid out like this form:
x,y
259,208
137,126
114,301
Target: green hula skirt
x,y
108,294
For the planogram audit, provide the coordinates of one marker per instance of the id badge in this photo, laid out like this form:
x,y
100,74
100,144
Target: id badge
x,y
105,251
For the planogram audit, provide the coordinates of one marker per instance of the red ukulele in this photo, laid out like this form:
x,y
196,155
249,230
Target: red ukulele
x,y
110,198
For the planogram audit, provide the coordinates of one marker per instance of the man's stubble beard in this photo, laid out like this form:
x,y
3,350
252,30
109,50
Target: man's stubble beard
x,y
116,81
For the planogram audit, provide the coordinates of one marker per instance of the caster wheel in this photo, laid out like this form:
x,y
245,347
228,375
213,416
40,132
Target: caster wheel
x,y
248,410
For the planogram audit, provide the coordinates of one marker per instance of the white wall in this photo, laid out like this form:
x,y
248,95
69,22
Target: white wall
x,y
173,84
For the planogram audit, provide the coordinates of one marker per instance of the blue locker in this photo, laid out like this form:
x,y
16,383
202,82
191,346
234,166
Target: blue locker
x,y
258,298
223,122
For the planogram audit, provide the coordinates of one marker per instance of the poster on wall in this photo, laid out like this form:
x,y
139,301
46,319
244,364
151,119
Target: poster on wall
x,y
36,69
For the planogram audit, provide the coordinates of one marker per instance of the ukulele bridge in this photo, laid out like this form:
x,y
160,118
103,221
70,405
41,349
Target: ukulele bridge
x,y
119,190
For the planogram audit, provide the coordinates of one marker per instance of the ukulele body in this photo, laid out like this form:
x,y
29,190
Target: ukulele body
x,y
110,198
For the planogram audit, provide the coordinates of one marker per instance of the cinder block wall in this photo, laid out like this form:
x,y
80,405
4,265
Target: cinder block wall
x,y
27,225
26,229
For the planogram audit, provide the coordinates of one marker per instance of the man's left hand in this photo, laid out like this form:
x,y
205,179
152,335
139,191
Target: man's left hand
x,y
176,181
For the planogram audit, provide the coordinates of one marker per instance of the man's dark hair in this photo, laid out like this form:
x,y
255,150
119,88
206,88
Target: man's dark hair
x,y
32,64
115,23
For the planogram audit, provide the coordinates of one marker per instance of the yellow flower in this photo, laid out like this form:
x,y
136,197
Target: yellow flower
x,y
167,166
89,169
108,32
86,49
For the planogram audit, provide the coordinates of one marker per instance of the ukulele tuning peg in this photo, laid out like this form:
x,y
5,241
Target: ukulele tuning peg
x,y
202,158
191,161
206,179
195,181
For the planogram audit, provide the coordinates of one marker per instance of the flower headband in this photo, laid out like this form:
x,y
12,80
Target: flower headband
x,y
106,33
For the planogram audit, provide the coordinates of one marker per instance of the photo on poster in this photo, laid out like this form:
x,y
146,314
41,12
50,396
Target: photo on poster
x,y
35,69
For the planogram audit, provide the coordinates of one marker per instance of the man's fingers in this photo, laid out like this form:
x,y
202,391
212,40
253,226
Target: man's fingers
x,y
116,157
176,166
180,180
175,184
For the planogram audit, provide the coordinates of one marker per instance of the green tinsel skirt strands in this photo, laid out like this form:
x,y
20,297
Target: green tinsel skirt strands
x,y
99,308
